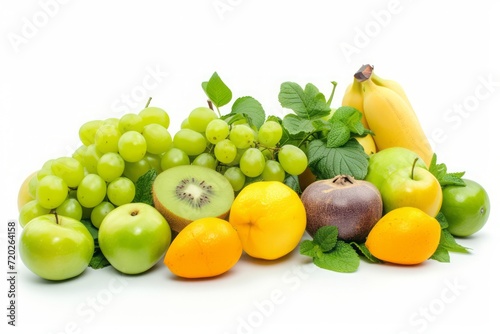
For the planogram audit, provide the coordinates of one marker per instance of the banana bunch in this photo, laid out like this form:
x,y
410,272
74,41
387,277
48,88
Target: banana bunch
x,y
387,112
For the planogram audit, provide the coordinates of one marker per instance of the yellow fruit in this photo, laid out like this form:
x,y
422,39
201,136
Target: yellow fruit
x,y
404,236
24,195
393,121
206,247
368,144
270,219
353,97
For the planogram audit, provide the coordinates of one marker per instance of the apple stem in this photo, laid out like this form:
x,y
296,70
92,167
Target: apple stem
x,y
149,101
413,167
57,217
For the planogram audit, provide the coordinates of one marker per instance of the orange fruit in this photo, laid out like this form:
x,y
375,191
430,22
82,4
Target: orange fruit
x,y
270,219
206,247
404,235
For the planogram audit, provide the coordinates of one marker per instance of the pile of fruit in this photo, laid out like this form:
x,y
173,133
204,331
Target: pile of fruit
x,y
361,180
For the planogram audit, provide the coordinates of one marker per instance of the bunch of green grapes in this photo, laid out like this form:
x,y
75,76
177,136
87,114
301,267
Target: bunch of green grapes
x,y
240,152
101,174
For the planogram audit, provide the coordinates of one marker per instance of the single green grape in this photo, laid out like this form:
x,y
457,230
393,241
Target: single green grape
x,y
252,162
216,130
270,134
134,170
190,141
242,135
225,151
99,212
91,190
155,115
88,130
111,121
32,186
205,160
199,118
185,124
106,138
121,191
110,166
30,210
292,159
79,154
273,171
70,208
154,161
92,156
158,139
68,169
132,146
236,177
51,191
130,122
45,170
174,157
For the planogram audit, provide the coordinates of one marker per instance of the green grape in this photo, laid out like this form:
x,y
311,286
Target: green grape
x,y
91,190
225,151
68,169
70,208
88,130
252,162
32,187
237,158
185,124
174,157
292,159
236,177
130,122
112,121
121,191
92,156
45,170
190,141
270,134
217,130
132,146
206,160
242,136
155,115
200,117
99,212
134,170
273,171
158,139
110,166
106,138
154,161
30,210
79,154
51,191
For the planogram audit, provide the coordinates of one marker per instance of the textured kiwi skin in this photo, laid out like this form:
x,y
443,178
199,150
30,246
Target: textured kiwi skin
x,y
176,222
353,207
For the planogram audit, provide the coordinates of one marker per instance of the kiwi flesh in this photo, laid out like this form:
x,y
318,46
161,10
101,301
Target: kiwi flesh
x,y
186,193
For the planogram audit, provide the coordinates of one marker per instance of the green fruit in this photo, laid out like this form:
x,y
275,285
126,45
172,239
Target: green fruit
x,y
134,237
466,208
56,247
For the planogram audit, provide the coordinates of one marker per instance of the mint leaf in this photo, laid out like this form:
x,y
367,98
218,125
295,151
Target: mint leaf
x,y
440,171
98,260
293,182
307,103
298,127
338,135
143,186
364,250
441,255
308,248
251,109
326,237
91,228
351,117
448,242
343,258
217,91
327,162
442,220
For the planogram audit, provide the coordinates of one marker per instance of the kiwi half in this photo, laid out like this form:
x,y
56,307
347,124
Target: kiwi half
x,y
186,193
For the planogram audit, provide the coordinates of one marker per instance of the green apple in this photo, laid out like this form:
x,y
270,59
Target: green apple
x,y
133,237
385,162
412,186
56,247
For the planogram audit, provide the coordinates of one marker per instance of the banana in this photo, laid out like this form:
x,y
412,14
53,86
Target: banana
x,y
391,84
353,97
392,119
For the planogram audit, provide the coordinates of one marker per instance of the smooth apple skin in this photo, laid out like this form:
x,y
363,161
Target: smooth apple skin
x,y
56,250
422,192
134,237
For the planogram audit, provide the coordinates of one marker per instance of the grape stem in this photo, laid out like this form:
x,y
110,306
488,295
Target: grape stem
x,y
149,101
211,106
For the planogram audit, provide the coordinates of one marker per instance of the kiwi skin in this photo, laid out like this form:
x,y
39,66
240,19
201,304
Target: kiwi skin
x,y
175,177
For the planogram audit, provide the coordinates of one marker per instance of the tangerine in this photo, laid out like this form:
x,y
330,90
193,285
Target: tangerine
x,y
404,235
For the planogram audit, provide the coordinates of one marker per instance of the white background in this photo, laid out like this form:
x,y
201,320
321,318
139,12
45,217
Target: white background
x,y
68,62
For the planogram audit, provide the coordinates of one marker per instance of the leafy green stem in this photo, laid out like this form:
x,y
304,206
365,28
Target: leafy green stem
x,y
329,102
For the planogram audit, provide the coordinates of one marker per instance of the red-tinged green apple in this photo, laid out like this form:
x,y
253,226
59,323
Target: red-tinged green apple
x,y
134,237
56,247
412,187
385,162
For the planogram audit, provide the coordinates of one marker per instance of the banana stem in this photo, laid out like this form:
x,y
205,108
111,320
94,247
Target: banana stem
x,y
364,73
